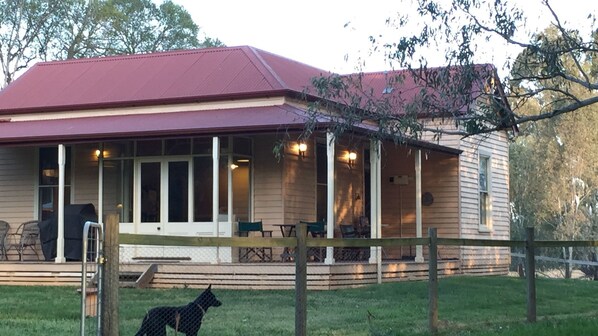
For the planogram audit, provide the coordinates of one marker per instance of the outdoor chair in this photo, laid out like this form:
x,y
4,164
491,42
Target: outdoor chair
x,y
316,230
4,228
27,235
247,254
349,253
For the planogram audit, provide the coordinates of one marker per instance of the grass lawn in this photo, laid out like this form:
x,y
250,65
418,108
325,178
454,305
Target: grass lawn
x,y
468,306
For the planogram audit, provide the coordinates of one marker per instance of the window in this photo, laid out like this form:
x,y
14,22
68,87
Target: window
x,y
484,189
48,181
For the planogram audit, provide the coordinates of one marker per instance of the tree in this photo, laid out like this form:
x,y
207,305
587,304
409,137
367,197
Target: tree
x,y
477,102
33,30
554,163
24,26
135,26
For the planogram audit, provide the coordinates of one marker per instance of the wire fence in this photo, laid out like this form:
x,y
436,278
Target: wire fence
x,y
296,263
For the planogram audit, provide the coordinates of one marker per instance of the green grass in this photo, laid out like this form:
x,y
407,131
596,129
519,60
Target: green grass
x,y
467,306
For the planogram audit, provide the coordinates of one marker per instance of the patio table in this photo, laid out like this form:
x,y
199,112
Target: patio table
x,y
287,230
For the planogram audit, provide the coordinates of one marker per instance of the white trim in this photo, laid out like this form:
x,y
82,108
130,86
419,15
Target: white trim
x,y
242,103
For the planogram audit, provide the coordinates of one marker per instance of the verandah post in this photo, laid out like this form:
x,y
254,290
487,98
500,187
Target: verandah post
x,y
301,281
530,272
433,281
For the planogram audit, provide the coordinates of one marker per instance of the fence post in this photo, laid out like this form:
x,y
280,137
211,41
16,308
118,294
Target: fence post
x,y
433,282
109,317
530,273
301,281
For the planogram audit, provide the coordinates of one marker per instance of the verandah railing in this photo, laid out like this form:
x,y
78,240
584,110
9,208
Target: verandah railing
x,y
301,243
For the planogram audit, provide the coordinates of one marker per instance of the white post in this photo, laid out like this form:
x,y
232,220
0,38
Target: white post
x,y
215,190
60,239
374,163
419,254
330,218
101,184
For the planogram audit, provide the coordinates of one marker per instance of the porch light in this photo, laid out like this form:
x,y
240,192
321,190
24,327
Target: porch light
x,y
352,157
233,166
100,153
302,149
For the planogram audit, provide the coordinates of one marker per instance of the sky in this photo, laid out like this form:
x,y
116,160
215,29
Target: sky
x,y
334,34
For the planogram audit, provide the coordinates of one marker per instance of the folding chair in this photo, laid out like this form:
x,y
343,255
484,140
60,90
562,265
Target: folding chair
x,y
4,228
316,230
247,254
350,253
27,235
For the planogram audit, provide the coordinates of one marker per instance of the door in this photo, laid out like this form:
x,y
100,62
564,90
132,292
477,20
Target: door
x,y
163,196
163,200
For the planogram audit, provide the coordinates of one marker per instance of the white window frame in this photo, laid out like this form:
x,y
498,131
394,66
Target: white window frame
x,y
485,227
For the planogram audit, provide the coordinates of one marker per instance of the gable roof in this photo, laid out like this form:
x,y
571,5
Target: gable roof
x,y
153,79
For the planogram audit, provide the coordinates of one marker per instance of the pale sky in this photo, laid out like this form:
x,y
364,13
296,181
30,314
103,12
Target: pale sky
x,y
316,32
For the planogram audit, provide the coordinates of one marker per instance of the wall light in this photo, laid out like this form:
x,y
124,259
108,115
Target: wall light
x,y
302,149
352,157
99,153
233,166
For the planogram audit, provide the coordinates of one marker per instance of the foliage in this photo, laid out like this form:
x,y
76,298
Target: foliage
x,y
31,30
468,306
467,93
554,164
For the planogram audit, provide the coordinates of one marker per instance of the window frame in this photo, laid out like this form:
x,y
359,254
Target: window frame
x,y
486,193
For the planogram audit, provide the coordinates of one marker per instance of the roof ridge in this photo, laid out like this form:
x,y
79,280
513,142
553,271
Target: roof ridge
x,y
265,65
154,54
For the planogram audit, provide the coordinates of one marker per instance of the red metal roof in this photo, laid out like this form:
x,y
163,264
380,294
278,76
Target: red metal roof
x,y
212,122
153,79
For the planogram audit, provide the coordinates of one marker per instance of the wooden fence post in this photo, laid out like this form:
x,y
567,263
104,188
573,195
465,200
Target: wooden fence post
x,y
109,317
530,273
433,282
301,281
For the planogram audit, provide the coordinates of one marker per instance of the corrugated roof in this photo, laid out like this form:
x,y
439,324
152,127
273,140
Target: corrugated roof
x,y
212,122
153,79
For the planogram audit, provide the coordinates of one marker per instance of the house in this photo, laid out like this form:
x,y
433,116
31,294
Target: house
x,y
181,143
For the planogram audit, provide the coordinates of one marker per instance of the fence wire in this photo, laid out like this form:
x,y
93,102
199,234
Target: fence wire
x,y
559,262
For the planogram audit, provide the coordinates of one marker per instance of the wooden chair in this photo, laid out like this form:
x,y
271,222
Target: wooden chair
x,y
316,230
4,229
27,235
247,254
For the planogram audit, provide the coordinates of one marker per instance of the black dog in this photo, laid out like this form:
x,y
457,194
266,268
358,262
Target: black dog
x,y
186,319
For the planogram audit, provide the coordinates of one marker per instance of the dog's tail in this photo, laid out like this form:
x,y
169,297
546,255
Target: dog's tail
x,y
144,325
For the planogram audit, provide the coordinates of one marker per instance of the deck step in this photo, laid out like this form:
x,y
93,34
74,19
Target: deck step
x,y
137,279
128,279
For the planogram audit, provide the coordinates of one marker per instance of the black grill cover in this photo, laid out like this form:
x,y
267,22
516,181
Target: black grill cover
x,y
75,216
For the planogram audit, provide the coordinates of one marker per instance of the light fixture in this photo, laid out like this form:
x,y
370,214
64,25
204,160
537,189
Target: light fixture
x,y
100,153
352,156
233,166
243,160
302,149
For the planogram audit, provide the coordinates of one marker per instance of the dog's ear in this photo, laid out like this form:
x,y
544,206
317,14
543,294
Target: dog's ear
x,y
210,287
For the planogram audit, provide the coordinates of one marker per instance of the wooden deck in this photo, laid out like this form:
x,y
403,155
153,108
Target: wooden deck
x,y
232,276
